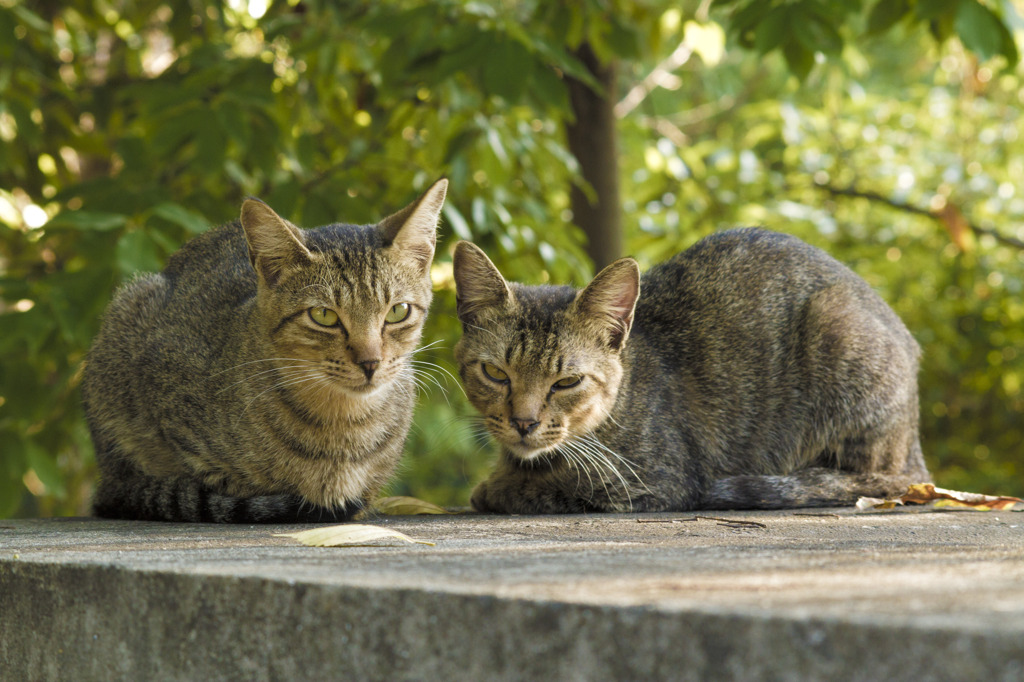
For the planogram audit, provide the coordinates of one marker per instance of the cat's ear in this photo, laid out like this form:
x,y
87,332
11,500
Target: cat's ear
x,y
610,299
274,243
478,284
413,230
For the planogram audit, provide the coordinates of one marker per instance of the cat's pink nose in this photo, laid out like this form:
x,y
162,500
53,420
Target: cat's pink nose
x,y
369,367
525,426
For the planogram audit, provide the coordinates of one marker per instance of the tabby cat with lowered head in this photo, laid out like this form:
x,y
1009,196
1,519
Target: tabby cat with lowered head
x,y
750,371
265,375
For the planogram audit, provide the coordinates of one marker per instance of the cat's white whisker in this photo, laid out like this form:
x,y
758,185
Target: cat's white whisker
x,y
629,464
610,464
597,465
402,388
419,370
250,362
600,459
291,381
283,370
607,411
420,378
430,345
574,461
425,368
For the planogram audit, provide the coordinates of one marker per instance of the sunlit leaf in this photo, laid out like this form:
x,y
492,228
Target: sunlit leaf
x,y
866,503
929,494
45,467
349,535
406,506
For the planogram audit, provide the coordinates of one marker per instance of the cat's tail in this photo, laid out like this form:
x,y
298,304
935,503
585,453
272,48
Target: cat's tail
x,y
132,495
816,487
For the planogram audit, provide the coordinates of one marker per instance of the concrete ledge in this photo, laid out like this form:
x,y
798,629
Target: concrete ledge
x,y
903,596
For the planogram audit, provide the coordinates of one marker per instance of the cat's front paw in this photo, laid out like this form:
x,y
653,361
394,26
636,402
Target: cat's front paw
x,y
479,499
512,494
494,496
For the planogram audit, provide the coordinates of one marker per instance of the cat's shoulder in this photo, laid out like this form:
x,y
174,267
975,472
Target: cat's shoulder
x,y
746,249
742,241
209,251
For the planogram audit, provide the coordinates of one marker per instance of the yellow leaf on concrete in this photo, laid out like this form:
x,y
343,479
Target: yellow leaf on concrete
x,y
865,503
348,535
926,492
406,506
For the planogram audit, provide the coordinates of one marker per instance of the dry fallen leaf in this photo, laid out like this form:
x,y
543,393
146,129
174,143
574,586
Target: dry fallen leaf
x,y
406,506
928,494
348,535
925,492
865,503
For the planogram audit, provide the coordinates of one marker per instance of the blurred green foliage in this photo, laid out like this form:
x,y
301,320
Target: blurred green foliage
x,y
127,127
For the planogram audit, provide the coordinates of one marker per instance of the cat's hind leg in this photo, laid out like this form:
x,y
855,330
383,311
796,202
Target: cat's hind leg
x,y
125,493
814,487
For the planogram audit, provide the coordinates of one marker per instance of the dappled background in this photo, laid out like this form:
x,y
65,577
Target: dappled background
x,y
887,133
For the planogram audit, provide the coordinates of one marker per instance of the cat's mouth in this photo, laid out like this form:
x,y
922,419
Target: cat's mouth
x,y
524,449
363,390
360,390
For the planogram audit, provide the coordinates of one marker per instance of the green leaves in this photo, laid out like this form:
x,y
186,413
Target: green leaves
x,y
802,28
885,14
507,69
179,215
799,29
343,112
982,31
86,220
137,251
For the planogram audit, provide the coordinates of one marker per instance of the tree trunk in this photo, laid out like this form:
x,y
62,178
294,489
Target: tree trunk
x,y
592,140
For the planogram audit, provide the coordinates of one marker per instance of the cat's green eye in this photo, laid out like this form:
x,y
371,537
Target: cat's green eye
x,y
495,374
324,317
567,382
398,313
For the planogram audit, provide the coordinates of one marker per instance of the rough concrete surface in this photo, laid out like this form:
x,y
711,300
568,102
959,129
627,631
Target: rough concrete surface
x,y
628,597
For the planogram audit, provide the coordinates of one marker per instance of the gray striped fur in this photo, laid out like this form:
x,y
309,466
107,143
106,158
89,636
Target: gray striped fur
x,y
212,394
754,371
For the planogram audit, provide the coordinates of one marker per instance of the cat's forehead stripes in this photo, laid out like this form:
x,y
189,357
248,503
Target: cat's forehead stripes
x,y
538,330
355,268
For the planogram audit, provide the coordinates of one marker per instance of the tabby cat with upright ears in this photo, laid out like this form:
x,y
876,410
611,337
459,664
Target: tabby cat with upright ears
x,y
265,375
751,371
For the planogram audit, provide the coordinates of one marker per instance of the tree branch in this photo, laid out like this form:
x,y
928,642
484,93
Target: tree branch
x,y
661,76
939,215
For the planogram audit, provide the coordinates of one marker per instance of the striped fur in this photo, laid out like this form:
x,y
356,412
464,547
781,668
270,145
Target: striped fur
x,y
754,371
214,394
